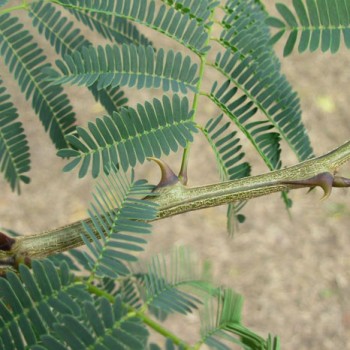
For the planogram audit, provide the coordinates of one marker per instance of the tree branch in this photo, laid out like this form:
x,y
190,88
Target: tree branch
x,y
176,199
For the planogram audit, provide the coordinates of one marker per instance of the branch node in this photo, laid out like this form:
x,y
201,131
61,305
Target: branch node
x,y
6,242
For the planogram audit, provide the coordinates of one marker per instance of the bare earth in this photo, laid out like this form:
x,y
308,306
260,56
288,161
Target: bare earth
x,y
293,272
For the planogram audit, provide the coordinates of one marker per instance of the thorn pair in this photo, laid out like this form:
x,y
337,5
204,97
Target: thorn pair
x,y
325,180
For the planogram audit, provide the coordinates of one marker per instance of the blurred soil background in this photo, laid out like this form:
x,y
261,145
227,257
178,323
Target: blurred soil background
x,y
293,271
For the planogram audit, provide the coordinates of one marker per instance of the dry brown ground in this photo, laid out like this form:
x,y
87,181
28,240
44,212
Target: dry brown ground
x,y
293,272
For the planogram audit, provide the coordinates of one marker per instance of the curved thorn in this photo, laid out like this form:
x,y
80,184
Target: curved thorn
x,y
168,177
326,183
324,180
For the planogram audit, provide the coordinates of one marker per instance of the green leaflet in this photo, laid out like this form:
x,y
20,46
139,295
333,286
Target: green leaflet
x,y
129,137
127,65
250,64
173,285
272,95
240,110
66,39
111,98
62,34
253,70
26,61
14,150
227,150
102,326
118,216
199,10
221,323
265,141
241,18
111,27
33,302
315,24
228,155
46,308
166,20
57,260
217,315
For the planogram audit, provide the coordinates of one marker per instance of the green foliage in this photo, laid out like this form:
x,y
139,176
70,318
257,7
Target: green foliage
x,y
103,297
66,39
126,66
117,216
318,23
26,61
101,325
32,303
223,315
14,150
240,111
131,135
108,305
247,62
168,21
199,10
176,281
228,153
251,66
111,27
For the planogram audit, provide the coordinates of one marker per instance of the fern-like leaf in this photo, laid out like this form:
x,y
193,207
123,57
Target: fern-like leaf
x,y
199,10
117,215
227,150
26,60
33,302
240,110
131,136
165,20
130,292
218,316
14,150
67,39
250,64
127,66
271,94
265,141
57,260
102,325
111,98
62,34
320,24
228,157
111,27
174,285
221,324
243,17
